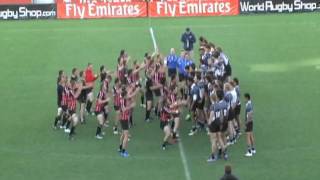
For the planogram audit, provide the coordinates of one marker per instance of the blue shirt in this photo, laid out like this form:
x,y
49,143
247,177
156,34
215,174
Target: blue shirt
x,y
172,61
220,110
181,62
195,92
188,63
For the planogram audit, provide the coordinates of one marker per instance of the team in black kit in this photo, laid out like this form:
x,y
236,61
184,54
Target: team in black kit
x,y
167,86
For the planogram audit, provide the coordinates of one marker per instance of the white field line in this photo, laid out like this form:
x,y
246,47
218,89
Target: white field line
x,y
184,161
153,40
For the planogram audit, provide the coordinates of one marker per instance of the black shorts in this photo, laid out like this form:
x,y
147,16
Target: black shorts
x,y
228,70
89,90
82,98
124,124
163,124
175,115
71,112
214,126
157,92
231,114
64,108
116,108
201,104
237,110
249,126
172,72
224,126
181,77
149,97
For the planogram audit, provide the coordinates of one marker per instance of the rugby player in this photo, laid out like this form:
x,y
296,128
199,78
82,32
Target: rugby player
x,y
249,126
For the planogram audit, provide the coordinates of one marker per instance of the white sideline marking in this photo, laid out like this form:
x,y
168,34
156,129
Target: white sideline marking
x,y
153,40
184,161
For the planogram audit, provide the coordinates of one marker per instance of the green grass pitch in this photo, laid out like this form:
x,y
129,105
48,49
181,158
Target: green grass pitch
x,y
276,57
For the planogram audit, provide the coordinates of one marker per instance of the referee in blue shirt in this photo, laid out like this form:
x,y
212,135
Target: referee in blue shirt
x,y
171,61
181,65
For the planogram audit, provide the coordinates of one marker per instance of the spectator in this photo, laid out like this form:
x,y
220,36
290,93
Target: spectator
x,y
188,39
228,175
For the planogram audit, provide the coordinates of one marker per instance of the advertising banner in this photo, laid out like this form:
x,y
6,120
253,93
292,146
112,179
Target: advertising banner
x,y
178,8
278,6
15,1
83,9
18,12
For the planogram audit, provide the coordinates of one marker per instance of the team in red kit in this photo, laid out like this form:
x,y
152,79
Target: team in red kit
x,y
169,87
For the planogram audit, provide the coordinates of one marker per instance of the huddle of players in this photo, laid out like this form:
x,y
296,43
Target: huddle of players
x,y
212,97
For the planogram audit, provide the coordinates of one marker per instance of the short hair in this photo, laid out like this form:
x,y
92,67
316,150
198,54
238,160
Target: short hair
x,y
219,49
116,80
74,70
187,29
227,169
122,52
81,73
211,45
247,95
236,80
216,54
60,72
101,68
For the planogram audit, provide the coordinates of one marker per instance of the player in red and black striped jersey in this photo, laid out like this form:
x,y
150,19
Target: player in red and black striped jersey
x,y
158,76
175,106
125,108
105,82
122,69
75,90
64,102
165,116
116,103
101,102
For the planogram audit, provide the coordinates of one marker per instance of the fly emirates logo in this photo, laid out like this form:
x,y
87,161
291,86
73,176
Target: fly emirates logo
x,y
101,10
190,8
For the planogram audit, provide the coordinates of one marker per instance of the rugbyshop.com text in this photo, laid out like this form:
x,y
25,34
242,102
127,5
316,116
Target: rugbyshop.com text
x,y
24,12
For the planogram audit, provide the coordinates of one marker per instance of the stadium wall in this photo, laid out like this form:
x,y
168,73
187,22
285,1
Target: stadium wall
x,y
88,9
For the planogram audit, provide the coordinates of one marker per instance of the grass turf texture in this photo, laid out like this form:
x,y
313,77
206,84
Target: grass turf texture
x,y
276,58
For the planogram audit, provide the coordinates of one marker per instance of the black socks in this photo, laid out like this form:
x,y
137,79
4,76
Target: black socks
x,y
88,107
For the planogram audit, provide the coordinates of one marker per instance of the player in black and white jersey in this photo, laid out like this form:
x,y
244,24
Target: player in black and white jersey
x,y
249,126
238,106
230,98
226,62
218,114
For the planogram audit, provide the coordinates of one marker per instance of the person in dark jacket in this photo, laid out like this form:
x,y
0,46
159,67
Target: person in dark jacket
x,y
188,39
228,175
